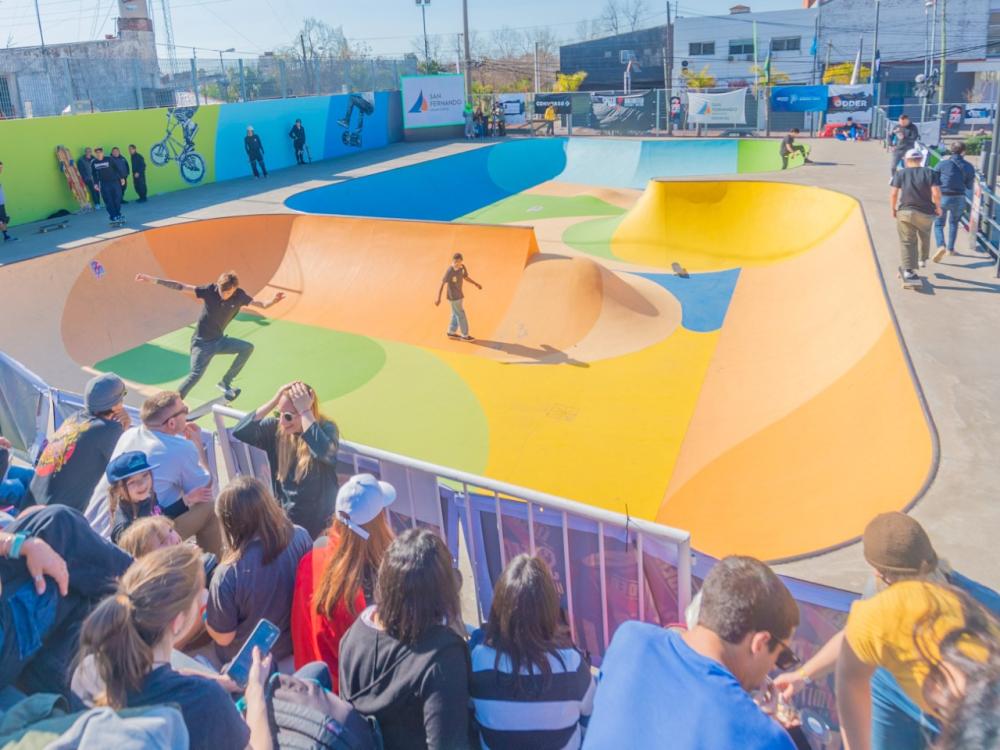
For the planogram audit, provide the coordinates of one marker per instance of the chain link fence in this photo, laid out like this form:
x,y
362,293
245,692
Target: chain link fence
x,y
40,85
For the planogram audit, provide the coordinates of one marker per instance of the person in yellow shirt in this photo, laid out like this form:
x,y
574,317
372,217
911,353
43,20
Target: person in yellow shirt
x,y
550,120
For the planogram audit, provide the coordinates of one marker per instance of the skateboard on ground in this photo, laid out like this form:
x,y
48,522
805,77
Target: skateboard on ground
x,y
915,284
679,270
46,228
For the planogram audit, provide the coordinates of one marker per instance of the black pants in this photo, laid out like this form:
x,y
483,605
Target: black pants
x,y
95,196
140,186
112,194
254,161
898,155
299,148
202,353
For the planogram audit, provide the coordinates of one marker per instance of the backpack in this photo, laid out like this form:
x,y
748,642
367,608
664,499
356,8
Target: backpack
x,y
304,716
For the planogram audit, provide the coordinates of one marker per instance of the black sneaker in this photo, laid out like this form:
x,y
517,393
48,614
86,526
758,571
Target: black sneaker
x,y
909,275
10,239
229,392
467,337
453,335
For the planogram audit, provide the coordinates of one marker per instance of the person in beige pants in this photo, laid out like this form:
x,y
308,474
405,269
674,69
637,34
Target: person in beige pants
x,y
915,200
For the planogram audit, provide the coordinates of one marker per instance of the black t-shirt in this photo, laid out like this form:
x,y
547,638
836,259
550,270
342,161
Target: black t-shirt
x,y
787,143
105,172
217,313
74,460
212,720
422,699
915,185
454,277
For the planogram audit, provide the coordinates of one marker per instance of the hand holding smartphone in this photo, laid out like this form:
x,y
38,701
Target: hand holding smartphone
x,y
263,637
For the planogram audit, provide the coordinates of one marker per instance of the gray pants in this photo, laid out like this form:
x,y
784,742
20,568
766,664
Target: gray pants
x,y
202,353
914,229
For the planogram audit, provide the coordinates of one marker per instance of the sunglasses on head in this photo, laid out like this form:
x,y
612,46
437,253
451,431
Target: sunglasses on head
x,y
787,660
287,416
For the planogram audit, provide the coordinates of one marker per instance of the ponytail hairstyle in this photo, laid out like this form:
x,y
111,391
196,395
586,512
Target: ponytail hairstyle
x,y
121,632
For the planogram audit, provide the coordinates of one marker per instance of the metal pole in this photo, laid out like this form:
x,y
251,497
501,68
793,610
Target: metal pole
x,y
944,57
38,17
468,56
537,77
136,82
282,78
243,81
669,72
423,12
871,75
194,79
305,65
991,174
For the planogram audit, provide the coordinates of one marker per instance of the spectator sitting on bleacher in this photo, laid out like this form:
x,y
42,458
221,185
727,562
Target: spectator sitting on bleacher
x,y
74,459
526,660
148,535
130,491
402,660
182,475
256,578
52,568
301,445
898,549
660,688
900,629
130,637
335,582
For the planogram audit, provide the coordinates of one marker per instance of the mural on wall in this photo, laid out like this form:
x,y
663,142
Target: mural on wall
x,y
187,145
180,149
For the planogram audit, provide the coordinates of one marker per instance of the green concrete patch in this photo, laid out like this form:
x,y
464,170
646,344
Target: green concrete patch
x,y
754,155
594,236
526,207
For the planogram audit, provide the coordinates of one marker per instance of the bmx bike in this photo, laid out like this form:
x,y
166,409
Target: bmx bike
x,y
180,148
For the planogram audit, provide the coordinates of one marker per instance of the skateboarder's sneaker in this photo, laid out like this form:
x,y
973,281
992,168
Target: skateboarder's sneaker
x,y
940,254
453,335
467,337
228,391
10,239
344,123
909,276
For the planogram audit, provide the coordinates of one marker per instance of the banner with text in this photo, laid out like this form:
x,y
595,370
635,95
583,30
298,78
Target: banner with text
x,y
849,101
978,114
634,113
799,98
717,109
433,101
513,108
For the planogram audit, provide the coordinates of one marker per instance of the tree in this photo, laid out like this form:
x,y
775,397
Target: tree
x,y
506,43
619,16
700,80
569,81
776,77
545,38
841,73
588,29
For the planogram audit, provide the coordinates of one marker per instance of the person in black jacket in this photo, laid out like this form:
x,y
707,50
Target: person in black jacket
x,y
298,136
905,135
122,166
109,183
138,172
255,151
86,166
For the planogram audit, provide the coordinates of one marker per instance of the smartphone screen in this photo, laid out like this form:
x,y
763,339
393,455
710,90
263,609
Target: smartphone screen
x,y
263,637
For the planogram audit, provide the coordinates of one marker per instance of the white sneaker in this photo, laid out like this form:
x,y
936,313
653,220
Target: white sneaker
x,y
922,264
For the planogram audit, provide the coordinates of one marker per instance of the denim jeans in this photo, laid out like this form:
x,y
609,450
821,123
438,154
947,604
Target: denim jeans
x,y
458,319
897,722
952,207
15,485
202,353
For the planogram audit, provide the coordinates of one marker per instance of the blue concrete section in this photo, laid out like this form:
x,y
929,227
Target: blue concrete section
x,y
685,159
602,162
704,297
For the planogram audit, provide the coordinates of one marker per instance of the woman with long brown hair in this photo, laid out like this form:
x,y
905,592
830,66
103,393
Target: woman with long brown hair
x,y
336,582
129,638
301,445
256,577
527,657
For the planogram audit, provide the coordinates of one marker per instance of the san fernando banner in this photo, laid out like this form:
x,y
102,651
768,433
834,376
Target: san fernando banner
x,y
433,101
727,108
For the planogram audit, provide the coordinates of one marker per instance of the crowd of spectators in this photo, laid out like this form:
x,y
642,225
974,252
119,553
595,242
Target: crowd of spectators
x,y
131,591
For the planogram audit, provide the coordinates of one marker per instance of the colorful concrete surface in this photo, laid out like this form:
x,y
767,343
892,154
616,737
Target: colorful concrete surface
x,y
763,401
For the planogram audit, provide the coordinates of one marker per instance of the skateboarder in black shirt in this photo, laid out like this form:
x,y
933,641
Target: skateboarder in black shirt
x,y
109,183
223,300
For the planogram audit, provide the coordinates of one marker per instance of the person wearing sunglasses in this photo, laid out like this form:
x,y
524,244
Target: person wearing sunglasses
x,y
301,445
663,688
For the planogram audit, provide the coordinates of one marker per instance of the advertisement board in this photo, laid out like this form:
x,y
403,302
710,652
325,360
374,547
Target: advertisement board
x,y
633,113
433,101
513,108
562,103
845,101
799,98
720,109
978,114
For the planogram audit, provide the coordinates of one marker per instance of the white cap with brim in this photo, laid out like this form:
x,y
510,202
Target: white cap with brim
x,y
915,153
360,501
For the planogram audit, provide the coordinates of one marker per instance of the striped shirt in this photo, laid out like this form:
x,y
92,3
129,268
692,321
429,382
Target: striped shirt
x,y
547,713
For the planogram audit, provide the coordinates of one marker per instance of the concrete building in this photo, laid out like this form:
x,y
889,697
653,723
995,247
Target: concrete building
x,y
118,72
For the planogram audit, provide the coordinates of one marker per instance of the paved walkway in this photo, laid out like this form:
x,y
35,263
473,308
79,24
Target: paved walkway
x,y
950,329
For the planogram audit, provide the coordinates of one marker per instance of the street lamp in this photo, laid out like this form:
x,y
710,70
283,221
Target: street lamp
x,y
222,66
423,12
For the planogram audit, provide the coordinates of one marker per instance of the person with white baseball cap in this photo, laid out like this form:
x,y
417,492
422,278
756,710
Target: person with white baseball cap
x,y
915,199
336,582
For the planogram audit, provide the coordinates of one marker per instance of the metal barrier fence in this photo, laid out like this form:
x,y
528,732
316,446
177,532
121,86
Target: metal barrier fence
x,y
40,85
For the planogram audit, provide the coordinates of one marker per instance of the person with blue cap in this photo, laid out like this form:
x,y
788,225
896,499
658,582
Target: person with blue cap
x,y
130,491
71,464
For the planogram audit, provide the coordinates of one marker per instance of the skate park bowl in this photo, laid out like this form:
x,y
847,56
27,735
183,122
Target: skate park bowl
x,y
760,398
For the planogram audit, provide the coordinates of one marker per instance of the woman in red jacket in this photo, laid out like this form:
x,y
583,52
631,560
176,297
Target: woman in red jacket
x,y
336,582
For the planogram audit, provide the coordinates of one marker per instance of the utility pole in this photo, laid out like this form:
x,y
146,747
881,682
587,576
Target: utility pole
x,y
468,56
38,17
423,11
944,57
537,85
668,71
305,65
458,53
871,75
991,173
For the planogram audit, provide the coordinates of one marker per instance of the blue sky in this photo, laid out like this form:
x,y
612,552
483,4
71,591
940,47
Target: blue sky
x,y
388,26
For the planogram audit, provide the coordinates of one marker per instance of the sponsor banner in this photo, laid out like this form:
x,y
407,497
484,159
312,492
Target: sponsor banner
x,y
954,117
632,113
563,103
978,114
930,132
719,109
849,101
433,101
513,108
799,98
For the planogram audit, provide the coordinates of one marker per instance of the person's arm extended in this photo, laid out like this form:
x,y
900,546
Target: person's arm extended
x,y
177,286
474,283
278,296
936,195
440,289
854,699
894,199
821,664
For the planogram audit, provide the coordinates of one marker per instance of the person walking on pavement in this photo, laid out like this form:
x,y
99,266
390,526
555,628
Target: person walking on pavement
x,y
915,199
138,172
453,278
86,166
906,135
255,151
109,184
957,177
4,218
122,165
298,136
223,300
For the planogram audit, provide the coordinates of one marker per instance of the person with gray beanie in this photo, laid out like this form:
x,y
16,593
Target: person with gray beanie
x,y
74,459
900,554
